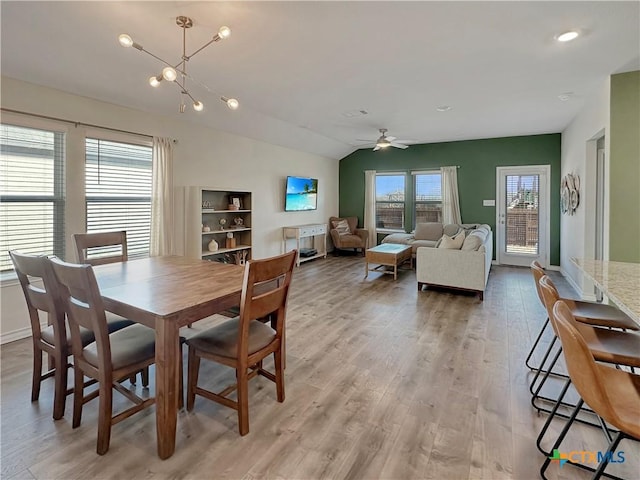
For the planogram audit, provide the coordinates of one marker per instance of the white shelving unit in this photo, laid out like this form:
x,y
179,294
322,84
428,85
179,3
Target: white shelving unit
x,y
208,217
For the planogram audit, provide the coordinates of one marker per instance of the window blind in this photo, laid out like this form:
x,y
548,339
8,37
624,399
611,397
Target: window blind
x,y
31,192
390,197
118,192
428,197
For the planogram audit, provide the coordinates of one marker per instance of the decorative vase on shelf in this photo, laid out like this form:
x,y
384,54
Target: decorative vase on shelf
x,y
213,246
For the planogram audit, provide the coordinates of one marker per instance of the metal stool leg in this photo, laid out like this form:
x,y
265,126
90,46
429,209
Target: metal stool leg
x,y
535,344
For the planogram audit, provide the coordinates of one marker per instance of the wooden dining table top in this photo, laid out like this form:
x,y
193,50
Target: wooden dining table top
x,y
149,288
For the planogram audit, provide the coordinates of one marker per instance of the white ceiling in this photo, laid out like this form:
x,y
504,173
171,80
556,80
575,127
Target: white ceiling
x,y
297,67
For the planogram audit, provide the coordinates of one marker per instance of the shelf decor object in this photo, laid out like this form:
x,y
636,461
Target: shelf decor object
x,y
173,72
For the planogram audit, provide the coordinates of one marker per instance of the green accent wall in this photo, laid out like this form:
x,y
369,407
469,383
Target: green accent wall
x,y
477,159
624,156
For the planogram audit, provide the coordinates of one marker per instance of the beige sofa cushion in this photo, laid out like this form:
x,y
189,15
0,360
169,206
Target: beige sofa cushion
x,y
428,231
474,240
452,243
451,229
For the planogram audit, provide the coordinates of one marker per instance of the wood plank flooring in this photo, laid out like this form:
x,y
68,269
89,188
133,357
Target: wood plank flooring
x,y
382,381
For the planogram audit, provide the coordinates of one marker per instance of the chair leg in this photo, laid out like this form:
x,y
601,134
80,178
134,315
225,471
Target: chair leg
x,y
144,375
610,451
279,366
37,374
104,417
243,400
535,344
180,381
60,389
535,394
563,434
78,395
192,377
550,418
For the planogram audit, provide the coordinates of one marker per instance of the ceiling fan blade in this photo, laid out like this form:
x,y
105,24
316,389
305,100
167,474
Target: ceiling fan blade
x,y
399,145
390,138
376,148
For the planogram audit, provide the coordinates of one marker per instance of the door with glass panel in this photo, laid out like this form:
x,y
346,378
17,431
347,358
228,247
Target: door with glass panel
x,y
522,208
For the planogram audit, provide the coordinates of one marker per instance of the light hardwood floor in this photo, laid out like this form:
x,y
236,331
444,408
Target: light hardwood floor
x,y
381,382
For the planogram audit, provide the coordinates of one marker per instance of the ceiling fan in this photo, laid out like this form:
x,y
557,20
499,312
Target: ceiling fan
x,y
385,141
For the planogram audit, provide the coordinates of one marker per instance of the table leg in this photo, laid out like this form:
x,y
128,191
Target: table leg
x,y
366,269
395,271
167,358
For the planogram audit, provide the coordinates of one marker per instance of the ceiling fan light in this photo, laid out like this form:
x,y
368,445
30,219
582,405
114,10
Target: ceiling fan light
x,y
155,81
224,32
169,74
198,106
383,143
125,40
567,36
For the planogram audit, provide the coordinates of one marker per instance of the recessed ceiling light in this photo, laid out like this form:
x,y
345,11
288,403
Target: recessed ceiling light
x,y
567,36
443,108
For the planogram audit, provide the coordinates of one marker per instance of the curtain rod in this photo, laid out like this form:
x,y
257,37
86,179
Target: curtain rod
x,y
414,171
46,117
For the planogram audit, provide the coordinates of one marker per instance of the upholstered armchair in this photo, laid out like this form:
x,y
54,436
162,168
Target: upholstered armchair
x,y
345,234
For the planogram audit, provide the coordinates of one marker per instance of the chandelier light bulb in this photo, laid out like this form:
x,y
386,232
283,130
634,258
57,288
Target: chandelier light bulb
x,y
224,32
169,74
155,81
233,104
198,106
125,40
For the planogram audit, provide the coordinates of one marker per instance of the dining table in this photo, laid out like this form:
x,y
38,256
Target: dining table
x,y
166,293
620,281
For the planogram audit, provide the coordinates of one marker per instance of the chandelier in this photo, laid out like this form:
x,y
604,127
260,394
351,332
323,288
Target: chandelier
x,y
177,72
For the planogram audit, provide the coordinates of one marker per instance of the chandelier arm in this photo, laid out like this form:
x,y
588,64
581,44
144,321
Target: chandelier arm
x,y
214,39
158,58
184,90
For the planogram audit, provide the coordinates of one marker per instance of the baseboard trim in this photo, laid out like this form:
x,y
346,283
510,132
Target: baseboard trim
x,y
16,335
574,285
555,268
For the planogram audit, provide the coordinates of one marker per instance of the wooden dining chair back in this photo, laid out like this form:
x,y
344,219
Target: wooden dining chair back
x,y
42,295
110,358
101,248
613,394
243,342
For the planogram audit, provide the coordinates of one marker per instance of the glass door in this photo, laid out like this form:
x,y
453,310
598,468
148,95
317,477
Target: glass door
x,y
523,213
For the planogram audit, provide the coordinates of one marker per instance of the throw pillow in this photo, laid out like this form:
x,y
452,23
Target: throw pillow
x,y
472,242
428,231
452,243
342,226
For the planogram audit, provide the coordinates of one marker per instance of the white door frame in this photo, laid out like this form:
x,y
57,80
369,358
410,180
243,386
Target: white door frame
x,y
544,214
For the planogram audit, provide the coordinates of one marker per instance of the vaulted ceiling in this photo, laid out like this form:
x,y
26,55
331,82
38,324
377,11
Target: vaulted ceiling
x,y
304,71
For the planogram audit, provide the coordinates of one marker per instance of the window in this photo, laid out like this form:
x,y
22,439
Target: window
x,y
31,192
118,191
428,197
390,195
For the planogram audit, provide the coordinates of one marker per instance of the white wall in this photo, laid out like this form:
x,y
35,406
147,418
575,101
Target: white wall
x,y
577,232
202,156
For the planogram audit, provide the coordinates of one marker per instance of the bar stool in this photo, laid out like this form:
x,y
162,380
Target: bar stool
x,y
613,394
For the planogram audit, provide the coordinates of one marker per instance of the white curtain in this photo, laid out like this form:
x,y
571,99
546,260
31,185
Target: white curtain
x,y
370,205
450,198
162,224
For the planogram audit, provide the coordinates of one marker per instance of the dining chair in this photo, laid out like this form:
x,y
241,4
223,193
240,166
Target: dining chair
x,y
102,247
110,359
613,394
42,295
242,343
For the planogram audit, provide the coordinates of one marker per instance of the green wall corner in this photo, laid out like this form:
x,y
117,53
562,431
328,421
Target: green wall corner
x,y
624,168
477,159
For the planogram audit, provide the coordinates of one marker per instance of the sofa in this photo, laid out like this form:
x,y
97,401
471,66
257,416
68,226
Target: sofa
x,y
425,235
466,268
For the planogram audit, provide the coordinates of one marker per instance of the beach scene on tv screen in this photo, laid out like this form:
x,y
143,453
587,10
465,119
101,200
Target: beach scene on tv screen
x,y
302,193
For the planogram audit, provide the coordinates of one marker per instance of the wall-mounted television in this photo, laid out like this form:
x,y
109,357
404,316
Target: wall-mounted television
x,y
302,194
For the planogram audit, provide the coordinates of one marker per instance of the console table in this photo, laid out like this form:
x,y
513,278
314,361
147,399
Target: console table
x,y
317,232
